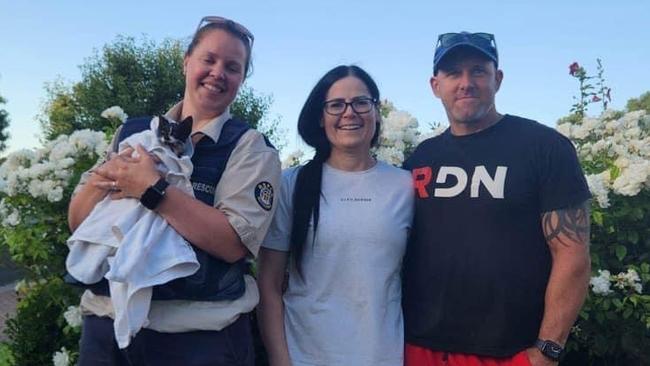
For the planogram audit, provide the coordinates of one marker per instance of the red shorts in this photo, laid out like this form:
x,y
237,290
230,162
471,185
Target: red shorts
x,y
419,356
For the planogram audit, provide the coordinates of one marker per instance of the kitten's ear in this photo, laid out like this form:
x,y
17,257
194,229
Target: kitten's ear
x,y
163,126
184,129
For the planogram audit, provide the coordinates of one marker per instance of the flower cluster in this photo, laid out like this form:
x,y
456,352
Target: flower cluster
x,y
629,279
62,357
293,159
9,215
602,284
73,316
616,151
21,287
115,112
45,173
399,136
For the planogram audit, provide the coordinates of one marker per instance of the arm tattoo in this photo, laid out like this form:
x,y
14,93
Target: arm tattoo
x,y
568,225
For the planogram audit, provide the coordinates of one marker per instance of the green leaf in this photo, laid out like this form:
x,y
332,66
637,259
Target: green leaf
x,y
606,304
621,252
597,217
645,267
627,313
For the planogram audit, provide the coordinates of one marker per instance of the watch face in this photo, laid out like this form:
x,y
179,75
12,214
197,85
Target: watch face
x,y
549,349
552,350
555,348
154,194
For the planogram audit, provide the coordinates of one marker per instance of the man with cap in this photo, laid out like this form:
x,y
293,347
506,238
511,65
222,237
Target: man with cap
x,y
498,265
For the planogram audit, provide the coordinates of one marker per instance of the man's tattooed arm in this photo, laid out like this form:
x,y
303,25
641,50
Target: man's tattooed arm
x,y
567,226
567,236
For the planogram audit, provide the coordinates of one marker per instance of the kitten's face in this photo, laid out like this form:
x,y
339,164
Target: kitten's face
x,y
174,134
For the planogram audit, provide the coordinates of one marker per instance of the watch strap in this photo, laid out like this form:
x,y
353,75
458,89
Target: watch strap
x,y
549,349
152,197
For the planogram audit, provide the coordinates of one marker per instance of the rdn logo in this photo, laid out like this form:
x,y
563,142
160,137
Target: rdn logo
x,y
422,177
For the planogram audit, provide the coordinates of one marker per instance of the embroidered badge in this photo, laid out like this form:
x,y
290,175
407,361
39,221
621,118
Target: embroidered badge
x,y
264,195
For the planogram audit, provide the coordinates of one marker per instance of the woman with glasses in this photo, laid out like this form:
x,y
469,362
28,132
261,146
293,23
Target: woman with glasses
x,y
201,319
341,229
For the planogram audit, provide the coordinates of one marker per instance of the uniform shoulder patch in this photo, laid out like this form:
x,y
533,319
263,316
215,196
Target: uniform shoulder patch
x,y
264,195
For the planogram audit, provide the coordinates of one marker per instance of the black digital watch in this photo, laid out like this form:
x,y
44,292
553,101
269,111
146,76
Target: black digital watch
x,y
152,197
549,349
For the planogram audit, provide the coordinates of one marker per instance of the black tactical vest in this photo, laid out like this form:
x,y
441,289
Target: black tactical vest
x,y
216,279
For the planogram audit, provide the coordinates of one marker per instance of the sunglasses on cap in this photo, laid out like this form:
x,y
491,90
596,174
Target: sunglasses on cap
x,y
229,24
449,39
483,42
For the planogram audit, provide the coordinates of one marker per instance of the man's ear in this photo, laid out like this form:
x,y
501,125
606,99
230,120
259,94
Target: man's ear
x,y
499,78
435,84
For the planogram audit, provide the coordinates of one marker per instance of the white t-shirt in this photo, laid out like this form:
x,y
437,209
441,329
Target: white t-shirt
x,y
347,308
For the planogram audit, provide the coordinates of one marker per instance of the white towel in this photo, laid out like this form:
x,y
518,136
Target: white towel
x,y
132,246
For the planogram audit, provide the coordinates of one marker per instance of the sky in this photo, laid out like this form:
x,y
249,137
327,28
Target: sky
x,y
296,42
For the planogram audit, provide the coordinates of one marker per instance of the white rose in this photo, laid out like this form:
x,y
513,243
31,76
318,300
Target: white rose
x,y
565,129
55,194
598,187
601,284
580,132
73,316
115,112
293,159
11,220
61,358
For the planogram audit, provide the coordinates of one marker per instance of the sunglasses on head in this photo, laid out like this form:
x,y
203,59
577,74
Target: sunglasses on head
x,y
229,24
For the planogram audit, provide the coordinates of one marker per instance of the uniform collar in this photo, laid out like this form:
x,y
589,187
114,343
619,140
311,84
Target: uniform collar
x,y
211,129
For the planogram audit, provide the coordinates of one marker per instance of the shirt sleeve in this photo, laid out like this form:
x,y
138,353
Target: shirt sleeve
x,y
247,191
279,234
562,182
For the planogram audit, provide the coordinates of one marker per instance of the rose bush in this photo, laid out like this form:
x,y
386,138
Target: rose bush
x,y
614,149
35,189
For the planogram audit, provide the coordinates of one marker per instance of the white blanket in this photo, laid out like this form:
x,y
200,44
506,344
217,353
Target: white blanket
x,y
132,246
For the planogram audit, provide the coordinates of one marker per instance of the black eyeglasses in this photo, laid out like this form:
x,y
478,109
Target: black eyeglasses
x,y
229,24
448,39
336,107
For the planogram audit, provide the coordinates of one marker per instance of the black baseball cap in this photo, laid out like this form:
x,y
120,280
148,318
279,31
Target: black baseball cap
x,y
482,42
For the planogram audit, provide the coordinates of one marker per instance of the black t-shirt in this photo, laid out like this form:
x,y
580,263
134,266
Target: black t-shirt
x,y
477,264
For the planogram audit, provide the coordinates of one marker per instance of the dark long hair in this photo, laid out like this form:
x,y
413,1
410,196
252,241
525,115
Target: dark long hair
x,y
306,194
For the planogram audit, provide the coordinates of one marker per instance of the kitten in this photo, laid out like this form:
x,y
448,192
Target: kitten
x,y
174,134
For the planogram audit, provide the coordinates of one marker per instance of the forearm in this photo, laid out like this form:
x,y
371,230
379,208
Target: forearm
x,y
567,234
565,294
83,203
271,322
272,264
202,225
